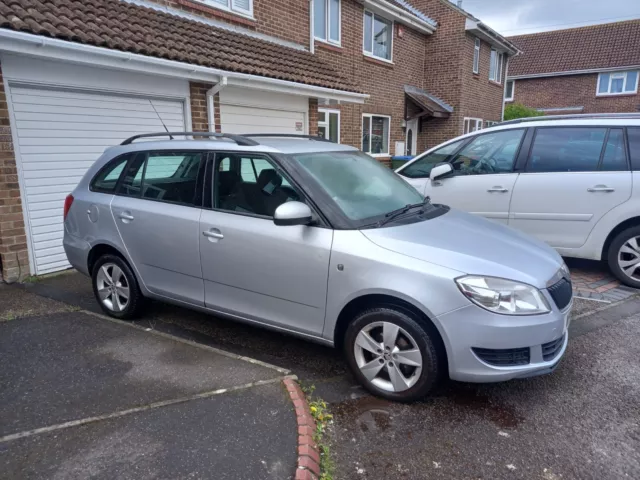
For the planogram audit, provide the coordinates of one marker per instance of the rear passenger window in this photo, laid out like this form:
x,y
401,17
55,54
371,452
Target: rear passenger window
x,y
165,176
566,149
614,158
107,179
634,146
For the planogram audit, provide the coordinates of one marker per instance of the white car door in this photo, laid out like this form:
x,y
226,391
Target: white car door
x,y
483,176
573,177
416,172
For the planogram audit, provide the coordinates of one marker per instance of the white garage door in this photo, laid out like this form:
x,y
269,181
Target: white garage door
x,y
60,134
250,111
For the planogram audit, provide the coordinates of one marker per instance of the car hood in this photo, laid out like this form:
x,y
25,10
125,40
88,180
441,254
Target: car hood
x,y
472,245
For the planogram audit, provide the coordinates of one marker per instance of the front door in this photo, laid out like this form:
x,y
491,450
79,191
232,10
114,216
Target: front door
x,y
412,137
157,213
251,267
573,176
483,178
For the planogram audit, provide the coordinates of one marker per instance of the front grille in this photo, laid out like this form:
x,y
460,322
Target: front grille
x,y
561,292
550,350
503,358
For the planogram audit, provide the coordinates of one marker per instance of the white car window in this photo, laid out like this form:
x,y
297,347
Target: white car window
x,y
489,153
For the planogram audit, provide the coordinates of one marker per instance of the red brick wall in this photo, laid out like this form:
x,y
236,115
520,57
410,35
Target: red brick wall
x,y
14,257
572,91
286,19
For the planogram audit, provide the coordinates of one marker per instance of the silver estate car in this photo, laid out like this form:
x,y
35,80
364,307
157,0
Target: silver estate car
x,y
319,240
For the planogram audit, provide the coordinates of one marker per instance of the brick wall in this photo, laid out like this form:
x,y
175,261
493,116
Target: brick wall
x,y
14,257
572,91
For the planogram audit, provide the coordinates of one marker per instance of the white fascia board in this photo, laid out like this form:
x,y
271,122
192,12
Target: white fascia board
x,y
397,14
55,49
574,72
473,27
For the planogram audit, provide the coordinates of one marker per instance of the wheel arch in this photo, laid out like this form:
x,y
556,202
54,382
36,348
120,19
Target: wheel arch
x,y
622,226
105,248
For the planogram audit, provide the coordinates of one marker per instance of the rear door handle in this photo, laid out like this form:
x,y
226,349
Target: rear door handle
x,y
498,189
126,216
601,188
213,233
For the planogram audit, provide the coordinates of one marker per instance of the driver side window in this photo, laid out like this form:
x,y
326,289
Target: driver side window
x,y
421,168
490,153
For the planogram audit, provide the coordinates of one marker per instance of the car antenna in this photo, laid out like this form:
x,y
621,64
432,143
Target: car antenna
x,y
160,118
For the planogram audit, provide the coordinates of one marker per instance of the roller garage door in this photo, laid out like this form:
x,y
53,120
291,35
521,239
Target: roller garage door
x,y
60,133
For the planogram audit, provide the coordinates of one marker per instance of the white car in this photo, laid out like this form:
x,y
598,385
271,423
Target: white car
x,y
571,181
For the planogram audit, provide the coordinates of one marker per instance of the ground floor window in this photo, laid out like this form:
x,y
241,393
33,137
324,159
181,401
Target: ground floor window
x,y
490,123
472,125
375,134
329,124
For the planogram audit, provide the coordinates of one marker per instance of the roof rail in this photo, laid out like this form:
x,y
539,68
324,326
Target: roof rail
x,y
286,135
576,116
239,139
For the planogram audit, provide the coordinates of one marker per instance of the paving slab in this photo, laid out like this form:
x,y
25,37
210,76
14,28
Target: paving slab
x,y
72,365
248,434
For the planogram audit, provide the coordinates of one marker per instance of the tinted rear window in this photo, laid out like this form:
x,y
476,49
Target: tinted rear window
x,y
634,146
107,179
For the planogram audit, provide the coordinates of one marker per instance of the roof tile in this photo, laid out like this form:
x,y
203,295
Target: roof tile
x,y
132,28
597,46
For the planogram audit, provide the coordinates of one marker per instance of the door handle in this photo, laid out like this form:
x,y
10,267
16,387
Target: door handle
x,y
436,183
498,189
213,234
126,217
601,188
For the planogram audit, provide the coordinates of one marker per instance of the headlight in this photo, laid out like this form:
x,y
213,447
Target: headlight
x,y
565,270
503,296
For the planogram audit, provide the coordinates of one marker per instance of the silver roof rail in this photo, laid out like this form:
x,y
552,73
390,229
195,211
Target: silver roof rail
x,y
239,139
577,116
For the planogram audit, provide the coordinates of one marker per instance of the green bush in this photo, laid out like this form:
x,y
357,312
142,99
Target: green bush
x,y
517,110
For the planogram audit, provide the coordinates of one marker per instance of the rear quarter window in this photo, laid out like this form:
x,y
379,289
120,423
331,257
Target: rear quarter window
x,y
634,147
107,179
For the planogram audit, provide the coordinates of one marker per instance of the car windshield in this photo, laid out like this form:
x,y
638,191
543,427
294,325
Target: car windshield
x,y
362,187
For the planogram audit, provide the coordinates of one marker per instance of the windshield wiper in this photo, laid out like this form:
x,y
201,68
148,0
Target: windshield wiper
x,y
402,210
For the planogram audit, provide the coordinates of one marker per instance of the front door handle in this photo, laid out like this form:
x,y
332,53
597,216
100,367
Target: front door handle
x,y
601,188
127,217
498,189
213,233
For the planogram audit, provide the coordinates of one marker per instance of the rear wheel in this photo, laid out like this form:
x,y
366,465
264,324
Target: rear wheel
x,y
393,355
116,288
623,256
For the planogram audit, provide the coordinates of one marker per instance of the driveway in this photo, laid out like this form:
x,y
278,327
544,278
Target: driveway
x,y
581,422
85,397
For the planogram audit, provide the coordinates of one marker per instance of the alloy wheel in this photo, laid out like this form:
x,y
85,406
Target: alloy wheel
x,y
113,288
388,356
629,258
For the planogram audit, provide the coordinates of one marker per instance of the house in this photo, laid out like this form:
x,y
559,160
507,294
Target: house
x,y
388,76
590,69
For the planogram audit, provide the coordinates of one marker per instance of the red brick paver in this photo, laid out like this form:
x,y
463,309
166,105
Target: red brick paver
x,y
308,467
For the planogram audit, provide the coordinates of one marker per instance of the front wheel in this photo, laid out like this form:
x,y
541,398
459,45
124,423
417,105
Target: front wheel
x,y
392,355
623,256
116,288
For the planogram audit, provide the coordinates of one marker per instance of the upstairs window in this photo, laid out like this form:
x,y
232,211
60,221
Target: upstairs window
x,y
244,7
326,20
476,56
495,67
378,33
618,83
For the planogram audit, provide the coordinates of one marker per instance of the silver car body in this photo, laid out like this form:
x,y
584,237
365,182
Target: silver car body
x,y
299,279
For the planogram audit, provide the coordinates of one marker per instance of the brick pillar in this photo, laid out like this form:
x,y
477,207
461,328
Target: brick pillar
x,y
313,116
14,256
198,97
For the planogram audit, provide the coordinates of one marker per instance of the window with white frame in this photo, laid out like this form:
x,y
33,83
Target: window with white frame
x,y
490,123
476,56
508,91
244,7
375,134
495,67
329,124
472,125
618,83
326,20
378,34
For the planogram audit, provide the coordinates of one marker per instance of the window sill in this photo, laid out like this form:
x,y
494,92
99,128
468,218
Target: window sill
x,y
332,47
497,84
379,155
609,95
378,61
508,100
232,15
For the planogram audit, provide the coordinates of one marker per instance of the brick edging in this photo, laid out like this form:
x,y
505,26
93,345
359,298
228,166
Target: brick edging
x,y
308,465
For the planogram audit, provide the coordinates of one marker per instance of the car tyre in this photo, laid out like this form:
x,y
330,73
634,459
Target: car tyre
x,y
402,370
629,240
116,288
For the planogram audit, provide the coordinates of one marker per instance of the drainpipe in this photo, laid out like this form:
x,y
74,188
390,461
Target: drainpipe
x,y
312,42
210,106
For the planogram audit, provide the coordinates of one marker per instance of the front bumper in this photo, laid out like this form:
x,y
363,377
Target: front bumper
x,y
473,327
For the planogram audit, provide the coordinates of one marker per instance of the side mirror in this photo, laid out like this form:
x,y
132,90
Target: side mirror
x,y
441,171
292,213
